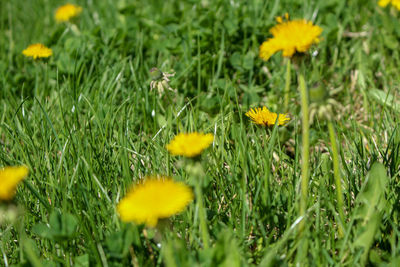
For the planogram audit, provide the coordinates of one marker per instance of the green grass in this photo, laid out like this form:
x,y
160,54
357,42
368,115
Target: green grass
x,y
88,127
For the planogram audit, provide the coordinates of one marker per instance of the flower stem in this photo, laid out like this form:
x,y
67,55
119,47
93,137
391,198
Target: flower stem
x,y
287,85
202,215
305,158
195,169
267,170
305,153
336,173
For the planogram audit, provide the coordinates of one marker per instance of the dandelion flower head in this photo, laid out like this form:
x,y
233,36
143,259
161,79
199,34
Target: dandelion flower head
x,y
37,51
384,3
190,144
290,36
66,12
10,177
263,116
154,199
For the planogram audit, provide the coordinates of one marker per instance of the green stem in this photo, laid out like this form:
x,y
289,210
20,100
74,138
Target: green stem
x,y
305,153
27,248
202,215
336,173
287,86
169,254
267,171
271,144
302,249
68,258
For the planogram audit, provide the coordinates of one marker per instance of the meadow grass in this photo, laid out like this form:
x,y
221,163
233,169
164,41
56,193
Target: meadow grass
x,y
88,127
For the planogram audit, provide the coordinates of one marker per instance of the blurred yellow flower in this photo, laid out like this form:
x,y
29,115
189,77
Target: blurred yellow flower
x,y
190,144
384,3
10,177
290,37
154,199
37,51
263,116
66,12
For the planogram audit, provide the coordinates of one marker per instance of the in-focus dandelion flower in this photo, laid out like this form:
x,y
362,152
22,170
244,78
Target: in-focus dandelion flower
x,y
10,177
384,3
290,36
37,51
263,116
66,12
189,144
154,199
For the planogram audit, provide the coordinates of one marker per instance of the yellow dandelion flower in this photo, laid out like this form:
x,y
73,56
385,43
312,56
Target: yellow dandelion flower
x,y
190,144
384,3
66,12
290,37
154,199
263,116
37,51
10,177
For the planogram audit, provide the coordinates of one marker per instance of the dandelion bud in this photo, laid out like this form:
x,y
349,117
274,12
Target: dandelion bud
x,y
318,94
156,74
